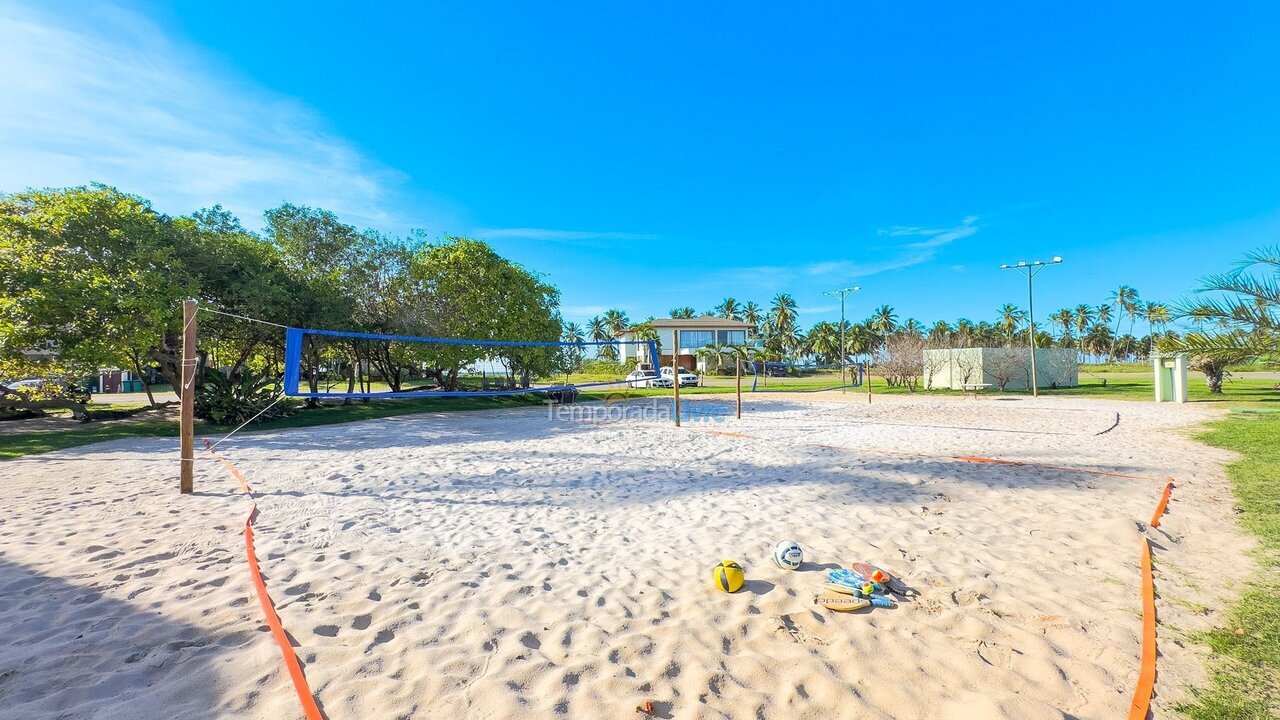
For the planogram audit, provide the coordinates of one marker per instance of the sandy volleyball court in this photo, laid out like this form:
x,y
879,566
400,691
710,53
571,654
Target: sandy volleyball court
x,y
502,565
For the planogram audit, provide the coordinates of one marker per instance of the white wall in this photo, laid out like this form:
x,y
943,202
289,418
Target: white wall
x,y
1054,367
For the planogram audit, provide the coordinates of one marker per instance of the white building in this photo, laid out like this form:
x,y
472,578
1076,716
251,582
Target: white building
x,y
1010,367
694,334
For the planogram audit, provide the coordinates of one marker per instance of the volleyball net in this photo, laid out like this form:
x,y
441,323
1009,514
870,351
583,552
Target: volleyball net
x,y
338,365
780,373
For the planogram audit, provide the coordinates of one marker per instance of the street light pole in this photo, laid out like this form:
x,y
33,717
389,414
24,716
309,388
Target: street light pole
x,y
1031,269
842,294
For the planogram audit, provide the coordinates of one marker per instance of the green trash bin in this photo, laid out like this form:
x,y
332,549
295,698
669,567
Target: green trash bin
x,y
131,386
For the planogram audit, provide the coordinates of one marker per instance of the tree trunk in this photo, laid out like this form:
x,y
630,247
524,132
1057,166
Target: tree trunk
x,y
146,386
1213,378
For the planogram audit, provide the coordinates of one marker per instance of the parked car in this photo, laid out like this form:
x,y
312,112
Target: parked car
x,y
686,378
51,387
646,378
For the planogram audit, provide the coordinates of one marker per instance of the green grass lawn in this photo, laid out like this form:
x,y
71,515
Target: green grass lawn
x,y
1245,672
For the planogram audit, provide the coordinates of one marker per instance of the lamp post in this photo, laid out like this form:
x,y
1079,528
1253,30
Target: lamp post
x,y
1031,269
842,293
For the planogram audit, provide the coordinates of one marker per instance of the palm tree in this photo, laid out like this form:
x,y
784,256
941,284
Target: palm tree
x,y
1063,319
783,312
824,343
683,312
752,314
1125,300
598,329
1099,340
572,333
912,326
1246,305
940,334
884,320
1158,317
1083,316
1010,318
728,309
616,320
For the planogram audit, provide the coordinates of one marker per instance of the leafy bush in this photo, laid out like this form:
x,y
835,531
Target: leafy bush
x,y
232,401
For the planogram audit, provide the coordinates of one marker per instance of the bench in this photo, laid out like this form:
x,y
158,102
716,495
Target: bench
x,y
975,388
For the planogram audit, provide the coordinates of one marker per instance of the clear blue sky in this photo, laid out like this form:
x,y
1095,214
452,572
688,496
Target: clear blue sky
x,y
652,155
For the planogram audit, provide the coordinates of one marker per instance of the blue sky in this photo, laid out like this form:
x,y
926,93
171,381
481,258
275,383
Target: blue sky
x,y
664,154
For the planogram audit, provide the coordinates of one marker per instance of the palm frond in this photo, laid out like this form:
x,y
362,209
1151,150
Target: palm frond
x,y
1234,346
1265,289
1266,255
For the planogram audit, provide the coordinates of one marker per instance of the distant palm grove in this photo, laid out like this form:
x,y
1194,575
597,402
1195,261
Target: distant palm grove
x,y
1100,333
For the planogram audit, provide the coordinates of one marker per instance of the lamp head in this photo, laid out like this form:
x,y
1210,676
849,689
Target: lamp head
x,y
1057,258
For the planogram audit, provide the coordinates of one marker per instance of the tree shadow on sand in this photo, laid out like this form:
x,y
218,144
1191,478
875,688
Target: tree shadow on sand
x,y
71,650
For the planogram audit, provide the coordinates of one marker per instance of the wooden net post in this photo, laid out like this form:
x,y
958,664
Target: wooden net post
x,y
737,376
187,392
675,374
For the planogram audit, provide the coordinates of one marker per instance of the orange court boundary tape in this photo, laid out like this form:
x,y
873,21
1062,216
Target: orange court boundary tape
x,y
1141,704
309,707
1164,503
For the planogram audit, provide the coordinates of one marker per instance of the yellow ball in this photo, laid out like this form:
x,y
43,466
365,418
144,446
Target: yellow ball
x,y
728,576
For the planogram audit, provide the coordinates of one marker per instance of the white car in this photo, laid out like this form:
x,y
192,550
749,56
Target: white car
x,y
645,378
686,377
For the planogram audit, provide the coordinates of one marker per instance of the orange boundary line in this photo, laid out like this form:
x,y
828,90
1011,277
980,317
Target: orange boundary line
x,y
1164,502
309,706
1141,704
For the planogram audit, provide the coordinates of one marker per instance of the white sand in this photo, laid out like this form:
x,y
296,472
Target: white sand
x,y
502,565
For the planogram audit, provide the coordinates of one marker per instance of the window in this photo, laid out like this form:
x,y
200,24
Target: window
x,y
696,338
732,337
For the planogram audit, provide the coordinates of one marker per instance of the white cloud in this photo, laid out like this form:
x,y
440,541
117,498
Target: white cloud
x,y
104,95
935,237
884,259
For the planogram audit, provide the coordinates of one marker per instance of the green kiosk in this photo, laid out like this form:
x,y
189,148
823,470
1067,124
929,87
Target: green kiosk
x,y
1171,377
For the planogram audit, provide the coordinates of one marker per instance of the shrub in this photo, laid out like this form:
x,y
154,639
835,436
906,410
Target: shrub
x,y
232,401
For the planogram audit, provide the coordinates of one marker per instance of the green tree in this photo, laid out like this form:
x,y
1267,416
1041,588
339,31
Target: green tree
x,y
752,314
1010,318
1125,301
683,312
91,271
598,329
823,343
729,309
884,320
1244,306
1082,318
616,320
477,294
